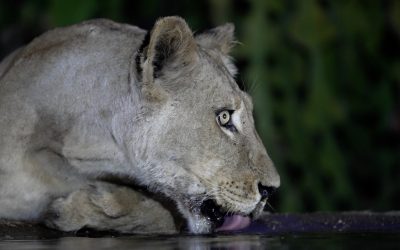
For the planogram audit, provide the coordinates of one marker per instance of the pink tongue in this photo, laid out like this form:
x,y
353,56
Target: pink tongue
x,y
234,222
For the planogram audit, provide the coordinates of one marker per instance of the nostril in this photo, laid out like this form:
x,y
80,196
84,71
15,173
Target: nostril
x,y
265,191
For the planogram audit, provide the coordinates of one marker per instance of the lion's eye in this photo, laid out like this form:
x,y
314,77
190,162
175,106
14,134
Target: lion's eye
x,y
224,119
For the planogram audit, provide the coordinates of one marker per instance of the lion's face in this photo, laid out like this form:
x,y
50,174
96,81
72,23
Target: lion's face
x,y
205,152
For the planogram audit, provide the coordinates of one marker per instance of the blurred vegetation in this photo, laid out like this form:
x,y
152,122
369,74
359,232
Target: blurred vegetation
x,y
325,77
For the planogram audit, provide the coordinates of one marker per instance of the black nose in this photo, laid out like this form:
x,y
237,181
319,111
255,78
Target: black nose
x,y
265,191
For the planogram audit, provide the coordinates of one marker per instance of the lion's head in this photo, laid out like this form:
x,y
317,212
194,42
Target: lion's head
x,y
201,148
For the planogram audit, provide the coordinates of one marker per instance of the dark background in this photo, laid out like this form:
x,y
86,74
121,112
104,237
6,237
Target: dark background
x,y
324,75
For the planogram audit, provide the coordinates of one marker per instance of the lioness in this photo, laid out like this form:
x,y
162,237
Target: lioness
x,y
85,105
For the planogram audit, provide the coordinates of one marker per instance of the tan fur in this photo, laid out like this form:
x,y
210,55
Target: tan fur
x,y
75,109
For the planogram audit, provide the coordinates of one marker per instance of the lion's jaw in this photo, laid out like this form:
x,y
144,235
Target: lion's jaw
x,y
207,216
203,203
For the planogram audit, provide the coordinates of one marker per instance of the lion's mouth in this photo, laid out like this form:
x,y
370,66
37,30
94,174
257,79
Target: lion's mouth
x,y
222,220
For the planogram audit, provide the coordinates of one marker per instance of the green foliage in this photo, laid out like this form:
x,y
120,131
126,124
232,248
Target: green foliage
x,y
328,99
325,77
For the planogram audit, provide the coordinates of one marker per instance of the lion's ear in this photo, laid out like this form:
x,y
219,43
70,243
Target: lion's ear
x,y
171,47
221,38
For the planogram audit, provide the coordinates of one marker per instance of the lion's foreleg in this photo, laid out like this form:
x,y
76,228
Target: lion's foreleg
x,y
104,206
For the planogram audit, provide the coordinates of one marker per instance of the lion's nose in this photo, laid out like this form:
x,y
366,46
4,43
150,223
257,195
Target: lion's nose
x,y
265,191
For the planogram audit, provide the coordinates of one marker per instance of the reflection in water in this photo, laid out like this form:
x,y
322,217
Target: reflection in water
x,y
234,242
238,242
139,242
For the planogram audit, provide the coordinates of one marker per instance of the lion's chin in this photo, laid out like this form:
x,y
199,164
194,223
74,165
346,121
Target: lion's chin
x,y
209,218
199,224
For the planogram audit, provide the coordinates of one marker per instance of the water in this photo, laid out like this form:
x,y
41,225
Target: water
x,y
358,241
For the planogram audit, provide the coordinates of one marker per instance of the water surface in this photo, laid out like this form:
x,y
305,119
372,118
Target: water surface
x,y
358,241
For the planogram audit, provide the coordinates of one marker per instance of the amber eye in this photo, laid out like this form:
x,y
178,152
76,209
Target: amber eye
x,y
224,118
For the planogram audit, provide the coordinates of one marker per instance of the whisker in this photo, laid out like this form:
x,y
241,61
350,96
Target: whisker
x,y
253,86
269,205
